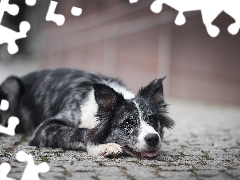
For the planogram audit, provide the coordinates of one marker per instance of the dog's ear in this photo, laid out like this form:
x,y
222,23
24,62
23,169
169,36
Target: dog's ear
x,y
166,121
153,91
106,97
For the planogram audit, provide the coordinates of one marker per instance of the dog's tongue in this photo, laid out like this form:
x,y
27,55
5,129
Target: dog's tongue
x,y
149,154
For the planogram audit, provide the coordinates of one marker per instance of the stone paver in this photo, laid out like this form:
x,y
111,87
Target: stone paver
x,y
204,144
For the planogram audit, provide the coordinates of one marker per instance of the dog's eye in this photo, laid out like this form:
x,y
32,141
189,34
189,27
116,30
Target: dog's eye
x,y
152,120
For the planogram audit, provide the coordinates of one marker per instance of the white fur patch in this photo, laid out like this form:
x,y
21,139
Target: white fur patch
x,y
89,107
139,110
104,149
145,129
88,110
127,94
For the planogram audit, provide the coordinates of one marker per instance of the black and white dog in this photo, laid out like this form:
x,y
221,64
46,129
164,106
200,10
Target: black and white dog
x,y
78,110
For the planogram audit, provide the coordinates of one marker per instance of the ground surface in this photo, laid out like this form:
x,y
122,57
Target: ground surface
x,y
204,144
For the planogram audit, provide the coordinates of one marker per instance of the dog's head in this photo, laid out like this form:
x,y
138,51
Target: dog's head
x,y
136,124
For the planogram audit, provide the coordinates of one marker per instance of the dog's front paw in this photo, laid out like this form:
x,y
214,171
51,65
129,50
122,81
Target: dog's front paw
x,y
109,149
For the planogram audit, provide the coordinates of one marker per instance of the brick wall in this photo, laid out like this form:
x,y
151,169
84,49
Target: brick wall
x,y
131,43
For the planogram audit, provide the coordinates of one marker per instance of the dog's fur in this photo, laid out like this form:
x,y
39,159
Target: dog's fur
x,y
78,110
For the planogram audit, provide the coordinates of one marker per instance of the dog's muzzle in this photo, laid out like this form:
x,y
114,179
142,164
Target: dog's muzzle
x,y
152,139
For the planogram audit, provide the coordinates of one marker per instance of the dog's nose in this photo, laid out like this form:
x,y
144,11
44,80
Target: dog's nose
x,y
152,139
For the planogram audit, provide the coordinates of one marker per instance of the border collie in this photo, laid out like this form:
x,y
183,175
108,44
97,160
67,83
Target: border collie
x,y
79,110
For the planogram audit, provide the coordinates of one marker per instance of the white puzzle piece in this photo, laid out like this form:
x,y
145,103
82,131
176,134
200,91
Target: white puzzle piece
x,y
12,123
12,9
31,2
31,171
51,16
76,11
133,1
4,105
4,170
7,35
210,9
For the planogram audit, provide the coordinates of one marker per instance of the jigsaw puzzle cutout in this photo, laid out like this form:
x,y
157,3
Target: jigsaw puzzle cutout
x,y
4,105
76,11
133,1
31,2
59,19
7,35
10,129
4,170
51,16
210,9
12,121
31,171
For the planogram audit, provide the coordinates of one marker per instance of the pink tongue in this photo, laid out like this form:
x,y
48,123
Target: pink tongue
x,y
149,154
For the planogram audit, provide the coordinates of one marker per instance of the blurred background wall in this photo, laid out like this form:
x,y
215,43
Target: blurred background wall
x,y
132,43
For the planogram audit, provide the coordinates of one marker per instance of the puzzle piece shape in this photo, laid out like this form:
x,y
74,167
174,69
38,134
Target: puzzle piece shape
x,y
7,35
51,16
31,2
76,11
12,9
12,123
210,9
4,105
133,1
31,171
4,170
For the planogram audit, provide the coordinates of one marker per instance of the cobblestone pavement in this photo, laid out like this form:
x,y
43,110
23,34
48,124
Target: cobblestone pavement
x,y
204,144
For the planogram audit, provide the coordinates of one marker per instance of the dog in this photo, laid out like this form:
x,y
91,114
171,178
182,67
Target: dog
x,y
78,110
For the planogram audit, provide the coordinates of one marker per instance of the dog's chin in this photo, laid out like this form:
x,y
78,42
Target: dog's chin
x,y
145,154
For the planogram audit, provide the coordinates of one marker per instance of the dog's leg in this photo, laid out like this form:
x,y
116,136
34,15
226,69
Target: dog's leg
x,y
58,134
109,149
